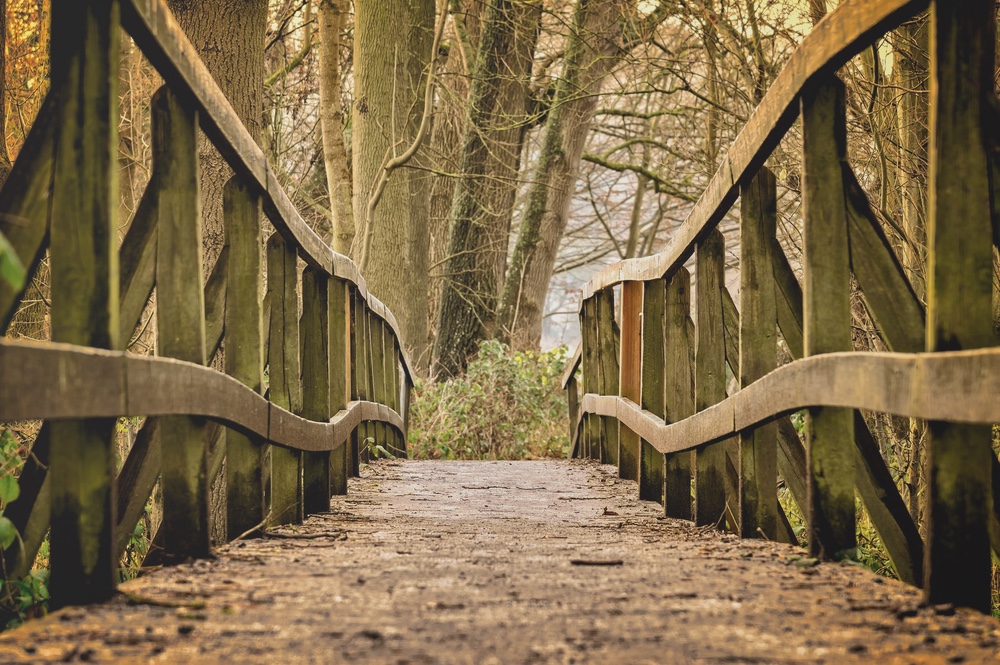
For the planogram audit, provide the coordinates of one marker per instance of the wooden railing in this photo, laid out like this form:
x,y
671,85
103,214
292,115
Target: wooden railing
x,y
338,377
654,381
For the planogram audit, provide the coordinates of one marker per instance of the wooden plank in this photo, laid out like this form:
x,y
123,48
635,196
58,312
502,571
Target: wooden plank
x,y
592,431
678,389
758,503
827,316
379,392
842,34
572,365
360,375
84,283
788,301
710,374
630,375
180,324
607,345
651,462
316,388
137,259
339,294
215,303
894,305
731,328
244,360
25,201
30,513
284,387
959,295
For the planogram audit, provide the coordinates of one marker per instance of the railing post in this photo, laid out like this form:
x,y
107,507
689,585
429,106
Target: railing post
x,y
710,377
180,323
84,282
590,442
340,375
607,344
630,376
827,316
316,384
244,353
959,316
396,440
284,387
679,389
359,376
651,461
758,353
379,429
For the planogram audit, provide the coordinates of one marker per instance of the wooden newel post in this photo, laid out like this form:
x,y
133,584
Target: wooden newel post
x,y
180,323
359,375
244,352
827,316
284,387
678,382
316,384
608,374
84,281
758,353
340,375
651,462
377,340
710,377
630,376
590,441
959,316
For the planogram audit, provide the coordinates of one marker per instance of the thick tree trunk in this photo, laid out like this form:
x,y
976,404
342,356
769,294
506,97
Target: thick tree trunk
x,y
391,41
332,18
5,164
487,184
229,37
592,51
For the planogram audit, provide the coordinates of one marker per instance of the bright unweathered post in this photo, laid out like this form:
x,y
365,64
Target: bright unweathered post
x,y
651,462
827,316
84,282
180,323
758,353
678,388
710,377
316,384
959,316
244,352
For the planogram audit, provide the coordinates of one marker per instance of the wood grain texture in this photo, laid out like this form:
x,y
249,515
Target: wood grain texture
x,y
316,384
591,435
842,34
630,375
651,462
678,388
340,373
608,345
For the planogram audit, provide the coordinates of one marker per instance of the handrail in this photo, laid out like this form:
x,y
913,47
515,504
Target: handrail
x,y
842,34
959,386
155,31
76,382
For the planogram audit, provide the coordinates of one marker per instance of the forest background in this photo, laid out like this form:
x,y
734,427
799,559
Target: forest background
x,y
480,159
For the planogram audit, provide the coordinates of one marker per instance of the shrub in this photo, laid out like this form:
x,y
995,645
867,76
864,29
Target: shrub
x,y
509,405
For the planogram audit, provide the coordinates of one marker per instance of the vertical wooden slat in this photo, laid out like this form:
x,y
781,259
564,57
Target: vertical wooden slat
x,y
340,375
360,376
180,323
379,392
758,354
710,377
608,377
84,282
678,388
392,372
630,375
827,316
590,443
316,384
244,353
959,316
651,462
355,347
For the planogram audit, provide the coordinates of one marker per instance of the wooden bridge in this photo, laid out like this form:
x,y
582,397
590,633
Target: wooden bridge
x,y
547,562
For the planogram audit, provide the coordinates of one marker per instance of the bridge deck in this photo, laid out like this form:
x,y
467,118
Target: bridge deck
x,y
473,562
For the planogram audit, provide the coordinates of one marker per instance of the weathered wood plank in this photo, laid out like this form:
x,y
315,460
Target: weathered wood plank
x,y
710,373
758,353
284,387
630,376
137,260
84,282
788,301
316,384
678,388
827,316
244,359
959,294
592,430
651,462
607,344
180,324
379,392
339,295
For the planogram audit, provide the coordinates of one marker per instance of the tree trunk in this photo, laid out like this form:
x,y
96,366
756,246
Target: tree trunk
x,y
332,18
486,188
391,52
592,51
5,164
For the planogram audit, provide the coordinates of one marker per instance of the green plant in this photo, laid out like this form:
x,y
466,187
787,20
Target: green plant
x,y
11,269
509,405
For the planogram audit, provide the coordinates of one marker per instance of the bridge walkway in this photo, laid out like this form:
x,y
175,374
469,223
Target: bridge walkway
x,y
506,562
